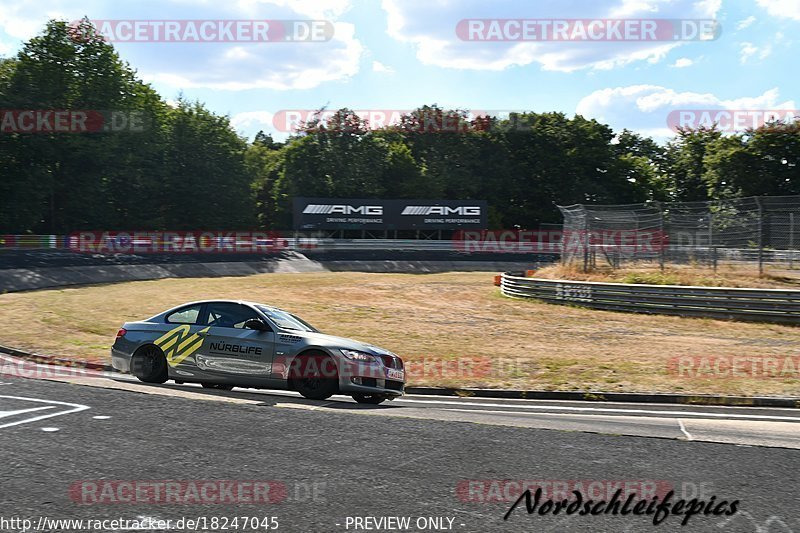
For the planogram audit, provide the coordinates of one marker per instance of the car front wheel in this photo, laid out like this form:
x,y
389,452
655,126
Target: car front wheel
x,y
314,376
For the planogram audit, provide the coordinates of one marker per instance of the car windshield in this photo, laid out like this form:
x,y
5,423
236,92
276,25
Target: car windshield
x,y
285,320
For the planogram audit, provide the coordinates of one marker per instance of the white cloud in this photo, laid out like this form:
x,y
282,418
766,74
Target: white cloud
x,y
646,108
224,65
317,9
682,62
782,8
749,51
252,119
377,66
745,22
431,26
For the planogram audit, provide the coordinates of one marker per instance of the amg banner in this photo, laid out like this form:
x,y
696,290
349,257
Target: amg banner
x,y
353,213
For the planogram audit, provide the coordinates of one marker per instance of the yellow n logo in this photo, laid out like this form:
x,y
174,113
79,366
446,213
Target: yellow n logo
x,y
177,344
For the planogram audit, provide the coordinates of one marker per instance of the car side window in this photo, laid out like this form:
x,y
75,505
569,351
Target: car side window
x,y
186,315
229,315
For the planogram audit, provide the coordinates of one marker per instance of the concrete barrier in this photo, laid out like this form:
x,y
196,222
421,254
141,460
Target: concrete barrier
x,y
26,279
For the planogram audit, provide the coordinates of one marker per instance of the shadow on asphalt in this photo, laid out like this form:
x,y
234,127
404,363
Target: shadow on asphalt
x,y
266,399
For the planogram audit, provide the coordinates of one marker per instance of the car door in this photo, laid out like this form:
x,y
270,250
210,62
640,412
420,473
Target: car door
x,y
180,337
232,352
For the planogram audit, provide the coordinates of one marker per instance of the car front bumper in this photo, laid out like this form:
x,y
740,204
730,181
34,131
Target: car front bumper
x,y
367,385
370,379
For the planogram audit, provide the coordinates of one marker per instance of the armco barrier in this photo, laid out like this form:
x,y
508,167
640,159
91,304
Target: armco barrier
x,y
760,305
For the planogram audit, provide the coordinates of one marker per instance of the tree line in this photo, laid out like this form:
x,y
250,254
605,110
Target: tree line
x,y
185,167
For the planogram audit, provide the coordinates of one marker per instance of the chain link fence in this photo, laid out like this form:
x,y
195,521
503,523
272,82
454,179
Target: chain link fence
x,y
759,231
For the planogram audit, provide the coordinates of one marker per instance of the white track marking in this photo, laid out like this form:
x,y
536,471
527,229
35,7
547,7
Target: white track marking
x,y
51,430
75,407
683,429
4,414
608,410
512,401
101,417
326,404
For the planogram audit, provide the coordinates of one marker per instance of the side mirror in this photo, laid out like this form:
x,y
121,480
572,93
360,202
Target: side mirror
x,y
256,324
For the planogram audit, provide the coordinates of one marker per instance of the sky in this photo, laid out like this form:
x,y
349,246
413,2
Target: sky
x,y
381,56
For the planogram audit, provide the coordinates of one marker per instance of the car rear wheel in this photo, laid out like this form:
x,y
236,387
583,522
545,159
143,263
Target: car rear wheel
x,y
314,376
218,386
373,399
150,365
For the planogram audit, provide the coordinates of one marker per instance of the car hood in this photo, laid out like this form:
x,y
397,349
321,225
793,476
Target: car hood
x,y
332,341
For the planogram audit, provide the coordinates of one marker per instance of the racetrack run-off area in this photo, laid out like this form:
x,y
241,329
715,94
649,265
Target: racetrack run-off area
x,y
452,329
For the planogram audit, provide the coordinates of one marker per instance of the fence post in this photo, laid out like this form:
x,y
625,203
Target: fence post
x,y
714,257
760,237
661,237
586,244
791,241
711,239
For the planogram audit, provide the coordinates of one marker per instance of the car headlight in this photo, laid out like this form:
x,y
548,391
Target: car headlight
x,y
361,357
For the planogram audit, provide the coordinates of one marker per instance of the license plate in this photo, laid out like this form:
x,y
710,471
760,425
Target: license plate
x,y
399,375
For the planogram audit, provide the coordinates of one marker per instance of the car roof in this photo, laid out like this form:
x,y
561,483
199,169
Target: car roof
x,y
243,302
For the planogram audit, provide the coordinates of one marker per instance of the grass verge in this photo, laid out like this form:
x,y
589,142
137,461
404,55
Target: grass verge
x,y
453,329
726,275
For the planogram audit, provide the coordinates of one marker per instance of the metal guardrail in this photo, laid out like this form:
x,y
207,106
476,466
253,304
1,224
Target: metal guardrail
x,y
61,242
619,252
758,305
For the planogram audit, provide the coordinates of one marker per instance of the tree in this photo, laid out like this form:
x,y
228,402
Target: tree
x,y
685,164
264,164
207,184
60,179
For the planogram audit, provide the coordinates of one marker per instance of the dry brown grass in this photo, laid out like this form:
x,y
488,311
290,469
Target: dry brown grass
x,y
727,275
437,317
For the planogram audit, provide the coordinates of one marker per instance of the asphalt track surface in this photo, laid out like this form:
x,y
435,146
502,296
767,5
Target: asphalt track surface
x,y
331,462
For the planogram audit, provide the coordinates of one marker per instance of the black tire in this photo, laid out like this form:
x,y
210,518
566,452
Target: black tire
x,y
372,399
149,365
314,376
217,386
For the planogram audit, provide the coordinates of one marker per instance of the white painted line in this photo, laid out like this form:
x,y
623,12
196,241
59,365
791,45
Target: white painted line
x,y
101,417
683,429
467,400
75,407
50,430
4,414
326,404
609,410
564,415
